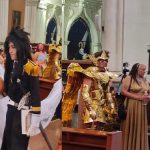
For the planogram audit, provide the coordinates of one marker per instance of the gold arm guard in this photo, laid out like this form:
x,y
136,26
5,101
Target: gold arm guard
x,y
31,68
86,96
110,100
112,110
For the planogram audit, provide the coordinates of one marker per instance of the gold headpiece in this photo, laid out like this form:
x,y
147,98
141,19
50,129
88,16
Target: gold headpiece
x,y
55,47
59,49
104,55
93,59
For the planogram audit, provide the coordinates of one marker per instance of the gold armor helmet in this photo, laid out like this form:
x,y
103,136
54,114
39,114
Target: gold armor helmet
x,y
104,55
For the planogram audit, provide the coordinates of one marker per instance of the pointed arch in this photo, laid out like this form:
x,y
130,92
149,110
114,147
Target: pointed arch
x,y
95,42
79,31
51,31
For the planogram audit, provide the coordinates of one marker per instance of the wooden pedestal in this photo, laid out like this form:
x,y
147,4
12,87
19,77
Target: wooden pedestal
x,y
84,139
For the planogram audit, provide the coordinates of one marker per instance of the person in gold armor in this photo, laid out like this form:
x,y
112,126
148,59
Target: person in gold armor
x,y
100,104
99,101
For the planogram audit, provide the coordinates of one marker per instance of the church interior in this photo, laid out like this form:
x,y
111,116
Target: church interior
x,y
69,32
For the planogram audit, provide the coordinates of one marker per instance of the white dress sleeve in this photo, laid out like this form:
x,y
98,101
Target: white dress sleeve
x,y
3,108
49,104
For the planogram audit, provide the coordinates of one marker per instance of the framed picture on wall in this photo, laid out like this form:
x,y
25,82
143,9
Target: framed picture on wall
x,y
16,18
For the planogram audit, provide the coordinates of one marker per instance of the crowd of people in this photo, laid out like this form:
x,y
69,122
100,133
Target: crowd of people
x,y
20,71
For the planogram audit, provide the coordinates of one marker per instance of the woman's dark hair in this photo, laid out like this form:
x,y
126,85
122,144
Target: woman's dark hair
x,y
134,71
21,42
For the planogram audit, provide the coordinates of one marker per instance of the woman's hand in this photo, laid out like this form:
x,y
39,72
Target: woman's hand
x,y
145,98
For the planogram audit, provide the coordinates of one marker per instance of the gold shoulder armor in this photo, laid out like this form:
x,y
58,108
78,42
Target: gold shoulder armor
x,y
91,72
74,67
92,69
31,68
112,75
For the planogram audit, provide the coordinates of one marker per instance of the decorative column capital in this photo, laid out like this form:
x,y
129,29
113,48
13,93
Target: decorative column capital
x,y
32,2
66,42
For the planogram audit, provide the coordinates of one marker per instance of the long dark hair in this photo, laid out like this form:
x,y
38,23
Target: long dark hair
x,y
134,72
22,44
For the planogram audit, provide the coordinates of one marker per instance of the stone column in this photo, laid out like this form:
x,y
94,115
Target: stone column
x,y
4,9
41,26
35,17
64,46
112,33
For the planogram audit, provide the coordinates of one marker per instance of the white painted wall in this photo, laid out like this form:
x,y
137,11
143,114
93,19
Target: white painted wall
x,y
136,31
112,35
127,31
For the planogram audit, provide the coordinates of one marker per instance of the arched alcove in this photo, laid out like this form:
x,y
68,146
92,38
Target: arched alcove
x,y
51,31
79,31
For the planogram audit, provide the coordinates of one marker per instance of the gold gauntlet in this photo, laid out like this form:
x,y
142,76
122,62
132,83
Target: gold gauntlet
x,y
110,100
92,114
86,96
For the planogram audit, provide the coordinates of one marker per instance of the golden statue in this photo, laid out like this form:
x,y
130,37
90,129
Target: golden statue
x,y
53,69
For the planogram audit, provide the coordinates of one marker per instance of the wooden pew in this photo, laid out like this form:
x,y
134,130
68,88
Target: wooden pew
x,y
86,139
83,63
45,87
65,64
